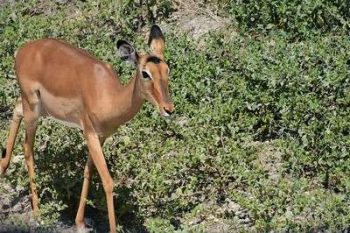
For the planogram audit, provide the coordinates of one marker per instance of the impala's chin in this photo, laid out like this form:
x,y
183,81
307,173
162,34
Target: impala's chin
x,y
165,109
164,113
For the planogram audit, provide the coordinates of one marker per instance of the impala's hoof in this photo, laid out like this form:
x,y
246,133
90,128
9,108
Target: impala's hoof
x,y
86,227
81,229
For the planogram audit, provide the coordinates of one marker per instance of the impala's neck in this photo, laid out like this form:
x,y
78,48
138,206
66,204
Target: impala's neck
x,y
127,101
132,94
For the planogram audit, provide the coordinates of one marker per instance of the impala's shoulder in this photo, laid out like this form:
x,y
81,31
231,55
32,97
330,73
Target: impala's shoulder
x,y
102,69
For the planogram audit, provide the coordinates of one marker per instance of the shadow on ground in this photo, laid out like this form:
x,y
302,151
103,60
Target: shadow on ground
x,y
15,206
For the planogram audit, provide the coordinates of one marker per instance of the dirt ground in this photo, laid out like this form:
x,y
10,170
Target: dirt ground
x,y
16,212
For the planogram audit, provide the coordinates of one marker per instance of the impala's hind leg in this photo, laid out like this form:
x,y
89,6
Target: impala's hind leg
x,y
31,111
79,219
15,123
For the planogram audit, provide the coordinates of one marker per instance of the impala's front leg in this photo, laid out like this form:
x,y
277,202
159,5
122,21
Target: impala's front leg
x,y
97,156
79,219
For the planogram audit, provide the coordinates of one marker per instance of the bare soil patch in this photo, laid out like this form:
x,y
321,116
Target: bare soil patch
x,y
198,18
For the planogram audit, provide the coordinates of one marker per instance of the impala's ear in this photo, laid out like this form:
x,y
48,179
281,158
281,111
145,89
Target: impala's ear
x,y
156,41
127,52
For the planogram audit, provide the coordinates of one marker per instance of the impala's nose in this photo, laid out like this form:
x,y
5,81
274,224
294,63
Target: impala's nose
x,y
168,109
169,112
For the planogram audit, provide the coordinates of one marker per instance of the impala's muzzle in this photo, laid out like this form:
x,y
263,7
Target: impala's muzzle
x,y
167,109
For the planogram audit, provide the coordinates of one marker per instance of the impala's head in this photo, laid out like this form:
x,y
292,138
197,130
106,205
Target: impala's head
x,y
152,71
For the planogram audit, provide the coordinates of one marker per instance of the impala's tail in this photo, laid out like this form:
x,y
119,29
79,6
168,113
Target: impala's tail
x,y
16,121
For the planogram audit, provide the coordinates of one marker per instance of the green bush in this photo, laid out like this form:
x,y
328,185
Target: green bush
x,y
295,17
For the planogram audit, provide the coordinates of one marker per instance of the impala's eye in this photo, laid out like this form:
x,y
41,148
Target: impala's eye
x,y
145,75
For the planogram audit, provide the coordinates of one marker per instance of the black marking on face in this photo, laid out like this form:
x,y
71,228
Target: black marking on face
x,y
154,59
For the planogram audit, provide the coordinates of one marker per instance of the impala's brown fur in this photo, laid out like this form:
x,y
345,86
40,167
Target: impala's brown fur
x,y
70,85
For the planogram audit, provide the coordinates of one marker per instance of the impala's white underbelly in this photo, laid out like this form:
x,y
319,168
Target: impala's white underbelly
x,y
64,110
66,123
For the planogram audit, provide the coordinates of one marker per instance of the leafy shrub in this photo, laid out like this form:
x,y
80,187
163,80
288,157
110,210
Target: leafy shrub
x,y
296,17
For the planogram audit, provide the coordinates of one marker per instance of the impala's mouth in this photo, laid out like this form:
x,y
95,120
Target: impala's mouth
x,y
165,109
166,112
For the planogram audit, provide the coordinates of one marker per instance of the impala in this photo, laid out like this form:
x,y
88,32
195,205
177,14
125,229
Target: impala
x,y
75,88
